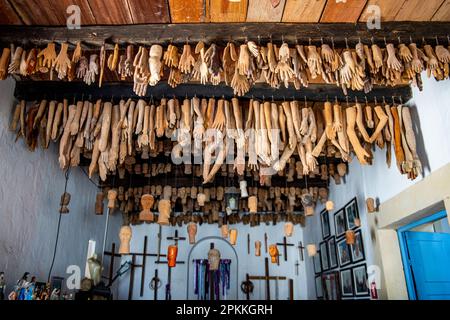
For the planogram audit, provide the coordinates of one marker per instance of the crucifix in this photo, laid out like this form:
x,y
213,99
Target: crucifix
x,y
296,267
175,238
267,278
285,245
300,250
248,243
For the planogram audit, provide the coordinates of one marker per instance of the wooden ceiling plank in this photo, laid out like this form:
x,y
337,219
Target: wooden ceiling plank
x,y
144,11
8,15
263,11
303,10
187,11
111,11
349,11
38,12
228,11
443,13
60,9
389,9
418,10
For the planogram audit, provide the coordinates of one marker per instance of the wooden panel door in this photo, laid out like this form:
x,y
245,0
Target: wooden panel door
x,y
7,14
228,11
443,13
389,9
188,11
144,11
303,10
349,11
418,10
263,11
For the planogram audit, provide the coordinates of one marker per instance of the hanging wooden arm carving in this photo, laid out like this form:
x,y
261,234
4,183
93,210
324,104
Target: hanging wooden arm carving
x,y
328,115
411,140
359,150
296,118
290,126
399,154
151,128
383,119
50,119
56,122
360,123
105,127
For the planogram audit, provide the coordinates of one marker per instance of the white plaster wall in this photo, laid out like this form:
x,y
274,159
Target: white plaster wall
x,y
247,263
30,188
431,116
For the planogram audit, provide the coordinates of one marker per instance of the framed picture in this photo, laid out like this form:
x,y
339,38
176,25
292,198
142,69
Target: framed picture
x,y
339,223
346,278
357,249
325,222
319,288
344,255
331,288
317,264
332,253
360,281
324,255
351,214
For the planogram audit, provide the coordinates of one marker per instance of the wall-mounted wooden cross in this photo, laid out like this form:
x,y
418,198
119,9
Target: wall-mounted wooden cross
x,y
176,238
268,278
300,250
296,267
285,245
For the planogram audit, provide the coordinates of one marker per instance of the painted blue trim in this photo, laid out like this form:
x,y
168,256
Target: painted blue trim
x,y
404,250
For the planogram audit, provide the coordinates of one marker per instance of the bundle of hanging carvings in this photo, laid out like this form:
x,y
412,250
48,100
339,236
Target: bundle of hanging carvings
x,y
238,66
262,137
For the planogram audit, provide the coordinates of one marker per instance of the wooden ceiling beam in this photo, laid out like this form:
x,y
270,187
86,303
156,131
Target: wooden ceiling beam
x,y
220,33
35,90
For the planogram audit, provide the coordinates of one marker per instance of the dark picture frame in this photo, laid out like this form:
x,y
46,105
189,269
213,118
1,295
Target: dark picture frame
x,y
359,275
331,285
323,251
357,249
317,264
319,287
351,213
346,283
332,253
339,223
344,254
325,224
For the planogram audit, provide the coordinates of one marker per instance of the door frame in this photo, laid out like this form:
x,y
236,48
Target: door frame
x,y
404,249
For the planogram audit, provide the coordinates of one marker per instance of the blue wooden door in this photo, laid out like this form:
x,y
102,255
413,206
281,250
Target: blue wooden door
x,y
429,255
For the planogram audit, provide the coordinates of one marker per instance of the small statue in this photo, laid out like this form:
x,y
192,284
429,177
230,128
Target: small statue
x,y
233,236
172,253
213,258
192,231
65,199
99,203
288,229
125,238
273,252
147,202
112,195
257,248
95,269
164,212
